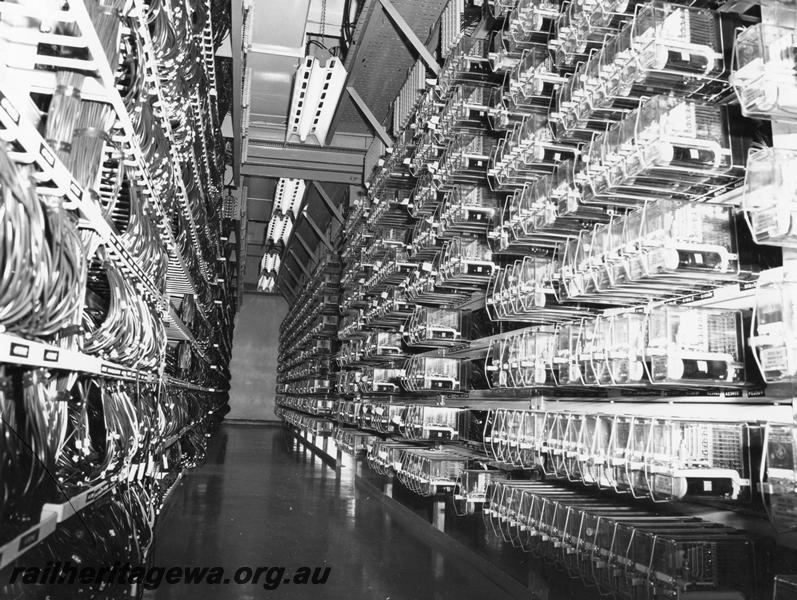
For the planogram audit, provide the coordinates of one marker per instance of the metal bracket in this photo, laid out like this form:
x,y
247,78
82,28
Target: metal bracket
x,y
286,289
380,131
395,16
328,201
319,233
296,260
304,244
285,268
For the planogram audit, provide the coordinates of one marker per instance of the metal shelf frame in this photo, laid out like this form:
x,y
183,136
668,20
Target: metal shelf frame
x,y
151,71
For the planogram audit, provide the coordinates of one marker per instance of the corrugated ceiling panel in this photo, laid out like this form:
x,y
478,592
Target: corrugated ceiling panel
x,y
382,59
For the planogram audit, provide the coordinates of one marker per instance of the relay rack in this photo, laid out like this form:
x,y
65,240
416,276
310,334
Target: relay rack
x,y
116,304
575,263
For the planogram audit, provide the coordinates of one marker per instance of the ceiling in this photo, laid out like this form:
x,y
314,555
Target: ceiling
x,y
377,65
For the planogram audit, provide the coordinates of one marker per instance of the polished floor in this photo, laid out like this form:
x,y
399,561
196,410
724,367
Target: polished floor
x,y
263,501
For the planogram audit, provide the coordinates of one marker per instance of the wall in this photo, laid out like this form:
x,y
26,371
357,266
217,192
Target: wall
x,y
254,357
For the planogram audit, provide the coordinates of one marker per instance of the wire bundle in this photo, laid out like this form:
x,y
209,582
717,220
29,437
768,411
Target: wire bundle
x,y
120,326
105,15
221,16
45,401
130,75
91,136
175,409
83,460
78,130
185,357
116,427
117,529
142,239
63,436
146,406
155,148
149,134
41,260
208,179
62,433
176,29
63,112
122,434
197,202
159,424
34,412
191,61
182,238
169,50
12,479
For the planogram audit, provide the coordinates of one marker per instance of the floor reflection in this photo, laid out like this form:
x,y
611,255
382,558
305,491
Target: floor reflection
x,y
261,499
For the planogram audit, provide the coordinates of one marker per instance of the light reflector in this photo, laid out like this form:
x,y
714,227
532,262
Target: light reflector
x,y
315,96
288,196
279,229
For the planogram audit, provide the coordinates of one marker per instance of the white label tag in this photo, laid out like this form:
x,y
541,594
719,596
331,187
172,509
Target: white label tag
x,y
774,358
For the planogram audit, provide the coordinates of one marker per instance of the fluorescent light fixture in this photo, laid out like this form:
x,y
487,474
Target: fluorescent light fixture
x,y
270,263
316,92
288,196
266,284
275,227
286,231
279,229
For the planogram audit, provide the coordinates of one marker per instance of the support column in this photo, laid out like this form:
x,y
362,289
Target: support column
x,y
439,523
439,514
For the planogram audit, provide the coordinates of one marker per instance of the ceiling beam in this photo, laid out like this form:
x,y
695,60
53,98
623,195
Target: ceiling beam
x,y
306,154
328,201
334,165
380,131
404,28
288,169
